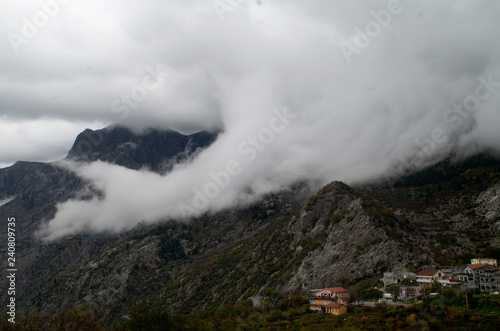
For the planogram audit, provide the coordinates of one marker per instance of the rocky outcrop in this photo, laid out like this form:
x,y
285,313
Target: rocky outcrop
x,y
352,239
288,240
488,208
335,238
155,150
30,192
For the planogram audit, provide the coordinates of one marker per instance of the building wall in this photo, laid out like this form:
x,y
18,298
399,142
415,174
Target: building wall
x,y
481,261
424,280
489,281
397,276
322,302
314,307
340,311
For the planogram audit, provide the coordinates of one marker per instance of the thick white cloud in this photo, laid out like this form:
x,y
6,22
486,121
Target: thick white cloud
x,y
386,108
38,140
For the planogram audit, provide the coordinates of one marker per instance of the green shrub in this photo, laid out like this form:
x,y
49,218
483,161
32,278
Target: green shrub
x,y
276,315
371,293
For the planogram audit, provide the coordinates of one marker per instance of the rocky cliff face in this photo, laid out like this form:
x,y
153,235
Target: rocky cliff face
x,y
158,151
489,208
354,239
335,238
155,150
292,240
31,191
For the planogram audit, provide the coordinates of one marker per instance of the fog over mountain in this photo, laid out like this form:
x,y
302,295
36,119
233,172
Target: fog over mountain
x,y
316,91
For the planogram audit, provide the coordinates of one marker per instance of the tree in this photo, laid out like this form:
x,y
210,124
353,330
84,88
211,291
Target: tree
x,y
371,293
410,292
427,289
436,286
362,286
142,317
273,297
409,281
294,302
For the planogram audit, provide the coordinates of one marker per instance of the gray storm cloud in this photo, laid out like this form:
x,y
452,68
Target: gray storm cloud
x,y
319,91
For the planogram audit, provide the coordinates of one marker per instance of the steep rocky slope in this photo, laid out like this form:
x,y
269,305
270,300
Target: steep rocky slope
x,y
292,240
454,204
335,238
489,208
31,191
155,150
355,238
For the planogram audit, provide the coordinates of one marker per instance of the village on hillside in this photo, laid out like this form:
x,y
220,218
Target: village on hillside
x,y
481,275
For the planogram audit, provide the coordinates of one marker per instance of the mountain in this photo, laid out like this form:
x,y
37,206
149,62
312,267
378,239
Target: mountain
x,y
293,240
36,188
155,150
41,183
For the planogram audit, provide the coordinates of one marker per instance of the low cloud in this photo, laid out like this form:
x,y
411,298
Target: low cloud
x,y
34,140
389,109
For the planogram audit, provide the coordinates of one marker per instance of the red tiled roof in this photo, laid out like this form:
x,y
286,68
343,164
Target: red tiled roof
x,y
451,280
337,289
492,269
400,267
477,266
427,272
334,305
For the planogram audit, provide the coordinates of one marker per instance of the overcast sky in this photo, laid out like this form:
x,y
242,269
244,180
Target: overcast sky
x,y
371,88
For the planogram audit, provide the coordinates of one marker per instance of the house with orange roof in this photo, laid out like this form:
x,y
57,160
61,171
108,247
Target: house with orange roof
x,y
336,309
339,294
321,298
428,276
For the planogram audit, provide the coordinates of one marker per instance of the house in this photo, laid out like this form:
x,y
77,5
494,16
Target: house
x,y
446,279
338,294
428,276
489,279
396,276
452,276
488,261
331,295
452,282
452,271
471,275
336,309
409,292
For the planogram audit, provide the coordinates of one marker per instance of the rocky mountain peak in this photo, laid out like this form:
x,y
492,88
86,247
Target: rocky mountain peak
x,y
154,149
349,237
336,237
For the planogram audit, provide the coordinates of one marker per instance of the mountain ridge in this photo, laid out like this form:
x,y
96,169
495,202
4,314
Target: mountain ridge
x,y
291,240
151,149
